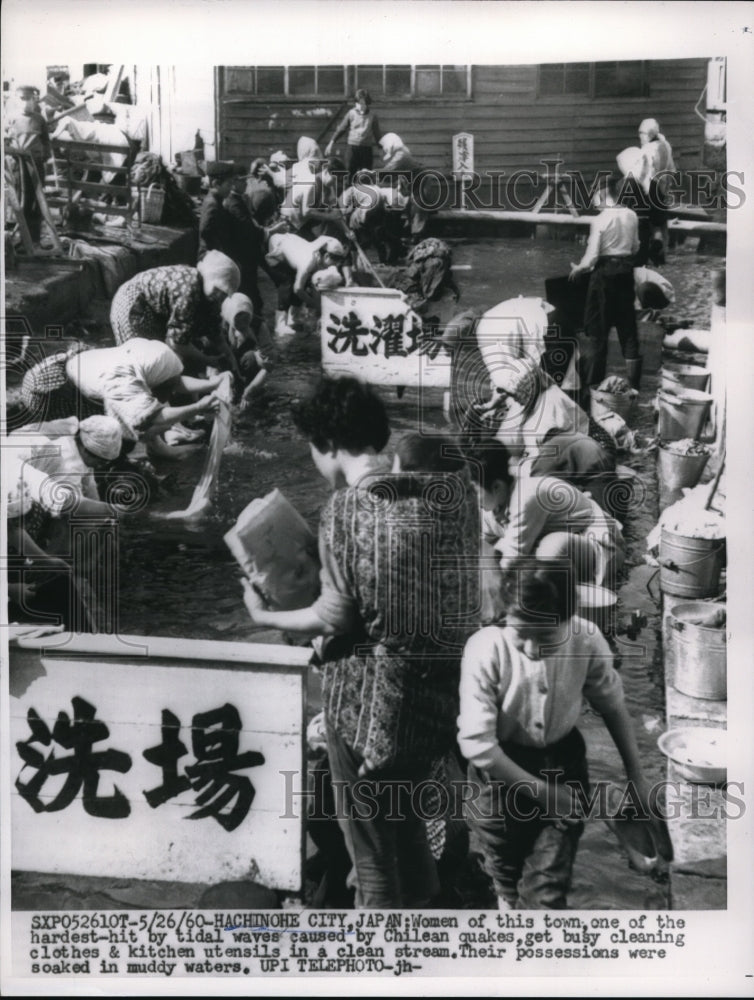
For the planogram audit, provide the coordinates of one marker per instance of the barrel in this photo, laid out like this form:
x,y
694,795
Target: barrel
x,y
683,413
690,567
676,472
700,653
679,376
622,403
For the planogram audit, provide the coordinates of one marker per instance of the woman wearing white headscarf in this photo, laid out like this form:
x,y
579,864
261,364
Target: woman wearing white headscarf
x,y
399,162
119,381
123,380
177,304
651,165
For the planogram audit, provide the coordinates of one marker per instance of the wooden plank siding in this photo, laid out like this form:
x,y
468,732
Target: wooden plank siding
x,y
514,129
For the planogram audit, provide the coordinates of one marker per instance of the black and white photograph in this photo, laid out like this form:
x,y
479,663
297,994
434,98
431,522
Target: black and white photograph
x,y
375,428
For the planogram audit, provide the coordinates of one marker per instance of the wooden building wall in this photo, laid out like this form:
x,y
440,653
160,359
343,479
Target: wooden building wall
x,y
514,128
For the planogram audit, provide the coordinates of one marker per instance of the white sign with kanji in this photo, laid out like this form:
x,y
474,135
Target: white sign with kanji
x,y
374,335
181,765
463,154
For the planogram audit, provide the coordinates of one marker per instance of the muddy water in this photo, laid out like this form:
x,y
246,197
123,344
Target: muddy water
x,y
181,583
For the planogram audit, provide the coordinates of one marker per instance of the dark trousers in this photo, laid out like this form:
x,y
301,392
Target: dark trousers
x,y
29,201
358,158
609,303
284,278
528,858
386,839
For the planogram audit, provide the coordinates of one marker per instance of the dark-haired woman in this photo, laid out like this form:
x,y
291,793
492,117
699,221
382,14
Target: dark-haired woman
x,y
522,686
394,598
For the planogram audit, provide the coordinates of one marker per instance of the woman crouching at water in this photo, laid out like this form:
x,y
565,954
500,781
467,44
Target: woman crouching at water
x,y
391,665
130,382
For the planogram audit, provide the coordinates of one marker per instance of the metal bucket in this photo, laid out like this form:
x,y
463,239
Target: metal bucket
x,y
683,413
676,472
700,654
597,605
622,403
678,376
690,567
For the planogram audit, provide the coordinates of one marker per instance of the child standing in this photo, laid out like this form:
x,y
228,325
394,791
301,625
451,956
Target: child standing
x,y
521,694
363,132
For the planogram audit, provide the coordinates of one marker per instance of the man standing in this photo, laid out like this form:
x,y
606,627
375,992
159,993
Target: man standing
x,y
609,256
215,223
29,130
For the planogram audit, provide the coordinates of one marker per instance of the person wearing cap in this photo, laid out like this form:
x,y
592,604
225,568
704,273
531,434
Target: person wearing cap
x,y
609,260
215,223
30,134
363,130
294,262
249,362
177,304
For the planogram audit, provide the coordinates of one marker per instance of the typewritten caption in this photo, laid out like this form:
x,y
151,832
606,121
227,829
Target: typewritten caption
x,y
208,943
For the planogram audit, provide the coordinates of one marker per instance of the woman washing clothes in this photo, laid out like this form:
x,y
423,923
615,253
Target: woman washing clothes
x,y
296,264
543,516
499,390
178,305
249,364
134,383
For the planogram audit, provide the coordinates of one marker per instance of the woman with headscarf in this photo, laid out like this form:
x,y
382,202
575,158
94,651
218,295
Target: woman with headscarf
x,y
49,474
398,162
124,380
296,262
651,166
119,381
176,304
499,390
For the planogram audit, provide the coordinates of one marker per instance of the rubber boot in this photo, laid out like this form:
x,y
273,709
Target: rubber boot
x,y
633,371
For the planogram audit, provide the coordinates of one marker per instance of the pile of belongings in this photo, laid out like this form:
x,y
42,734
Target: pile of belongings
x,y
426,274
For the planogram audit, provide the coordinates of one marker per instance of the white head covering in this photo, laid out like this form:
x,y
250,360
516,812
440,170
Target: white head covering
x,y
101,436
308,149
327,278
235,304
220,271
280,157
391,143
651,127
514,328
629,161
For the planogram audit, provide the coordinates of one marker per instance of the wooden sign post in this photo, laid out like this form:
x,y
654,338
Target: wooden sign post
x,y
463,161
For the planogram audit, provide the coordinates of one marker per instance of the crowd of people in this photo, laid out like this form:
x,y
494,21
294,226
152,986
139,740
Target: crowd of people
x,y
448,620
